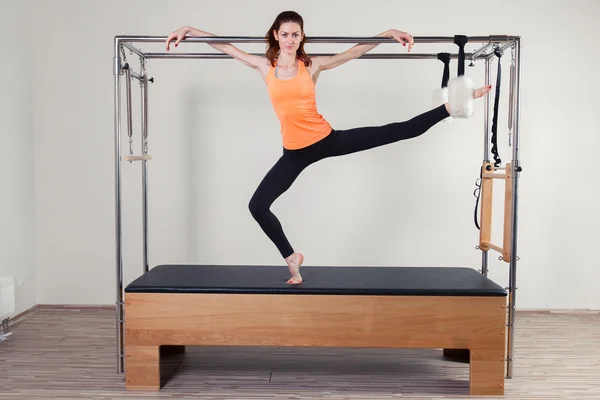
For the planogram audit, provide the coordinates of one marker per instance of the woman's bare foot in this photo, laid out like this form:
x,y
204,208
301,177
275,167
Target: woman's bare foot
x,y
481,91
477,93
294,261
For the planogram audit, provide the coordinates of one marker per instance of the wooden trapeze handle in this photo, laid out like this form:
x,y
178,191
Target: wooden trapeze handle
x,y
487,190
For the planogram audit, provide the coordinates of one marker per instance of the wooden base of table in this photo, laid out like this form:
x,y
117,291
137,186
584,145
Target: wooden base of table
x,y
162,323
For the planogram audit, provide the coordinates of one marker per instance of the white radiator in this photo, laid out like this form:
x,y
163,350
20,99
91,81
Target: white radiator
x,y
7,297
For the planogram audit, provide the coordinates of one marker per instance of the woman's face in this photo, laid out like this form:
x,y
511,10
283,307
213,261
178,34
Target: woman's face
x,y
289,37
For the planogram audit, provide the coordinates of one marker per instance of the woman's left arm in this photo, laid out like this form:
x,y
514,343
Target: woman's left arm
x,y
323,63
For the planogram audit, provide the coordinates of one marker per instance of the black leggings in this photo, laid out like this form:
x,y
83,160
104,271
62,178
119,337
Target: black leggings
x,y
337,143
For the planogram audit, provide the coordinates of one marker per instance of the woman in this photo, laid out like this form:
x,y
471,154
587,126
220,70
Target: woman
x,y
307,137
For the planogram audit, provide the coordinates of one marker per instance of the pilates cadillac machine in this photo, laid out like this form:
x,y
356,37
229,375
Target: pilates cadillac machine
x,y
457,309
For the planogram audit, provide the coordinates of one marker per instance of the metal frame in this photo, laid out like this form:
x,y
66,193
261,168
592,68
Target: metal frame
x,y
485,52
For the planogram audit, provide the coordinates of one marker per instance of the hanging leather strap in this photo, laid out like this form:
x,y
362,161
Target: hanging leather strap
x,y
461,41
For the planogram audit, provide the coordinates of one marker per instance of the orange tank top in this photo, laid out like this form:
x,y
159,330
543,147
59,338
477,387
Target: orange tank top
x,y
295,105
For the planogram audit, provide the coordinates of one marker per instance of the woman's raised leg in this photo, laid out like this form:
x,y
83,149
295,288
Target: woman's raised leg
x,y
358,139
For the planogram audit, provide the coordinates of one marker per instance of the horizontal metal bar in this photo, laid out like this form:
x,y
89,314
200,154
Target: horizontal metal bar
x,y
315,39
364,56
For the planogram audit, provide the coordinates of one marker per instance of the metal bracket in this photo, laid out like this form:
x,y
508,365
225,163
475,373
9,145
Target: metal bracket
x,y
117,66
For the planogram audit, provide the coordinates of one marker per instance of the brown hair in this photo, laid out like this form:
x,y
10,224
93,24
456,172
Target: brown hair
x,y
273,46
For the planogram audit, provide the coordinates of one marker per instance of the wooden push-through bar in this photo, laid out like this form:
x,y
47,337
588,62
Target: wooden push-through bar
x,y
487,190
137,158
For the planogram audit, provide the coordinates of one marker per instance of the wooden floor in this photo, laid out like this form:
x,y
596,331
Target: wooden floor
x,y
71,354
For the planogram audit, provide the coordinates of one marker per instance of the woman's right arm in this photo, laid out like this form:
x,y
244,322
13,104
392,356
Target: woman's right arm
x,y
259,63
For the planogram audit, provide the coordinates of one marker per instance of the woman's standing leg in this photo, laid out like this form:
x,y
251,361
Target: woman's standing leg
x,y
279,179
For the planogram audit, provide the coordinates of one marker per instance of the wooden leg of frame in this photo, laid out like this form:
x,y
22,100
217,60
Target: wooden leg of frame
x,y
487,372
142,369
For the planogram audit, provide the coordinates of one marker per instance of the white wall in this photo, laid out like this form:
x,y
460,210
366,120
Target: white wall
x,y
17,245
213,136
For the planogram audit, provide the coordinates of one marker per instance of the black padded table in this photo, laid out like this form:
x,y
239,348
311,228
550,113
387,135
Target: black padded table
x,y
451,308
389,281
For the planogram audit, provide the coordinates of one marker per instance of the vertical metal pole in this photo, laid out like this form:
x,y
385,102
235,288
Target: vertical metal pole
x,y
119,258
516,169
144,91
486,150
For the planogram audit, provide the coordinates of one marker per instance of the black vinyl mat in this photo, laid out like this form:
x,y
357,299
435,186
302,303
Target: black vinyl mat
x,y
247,279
